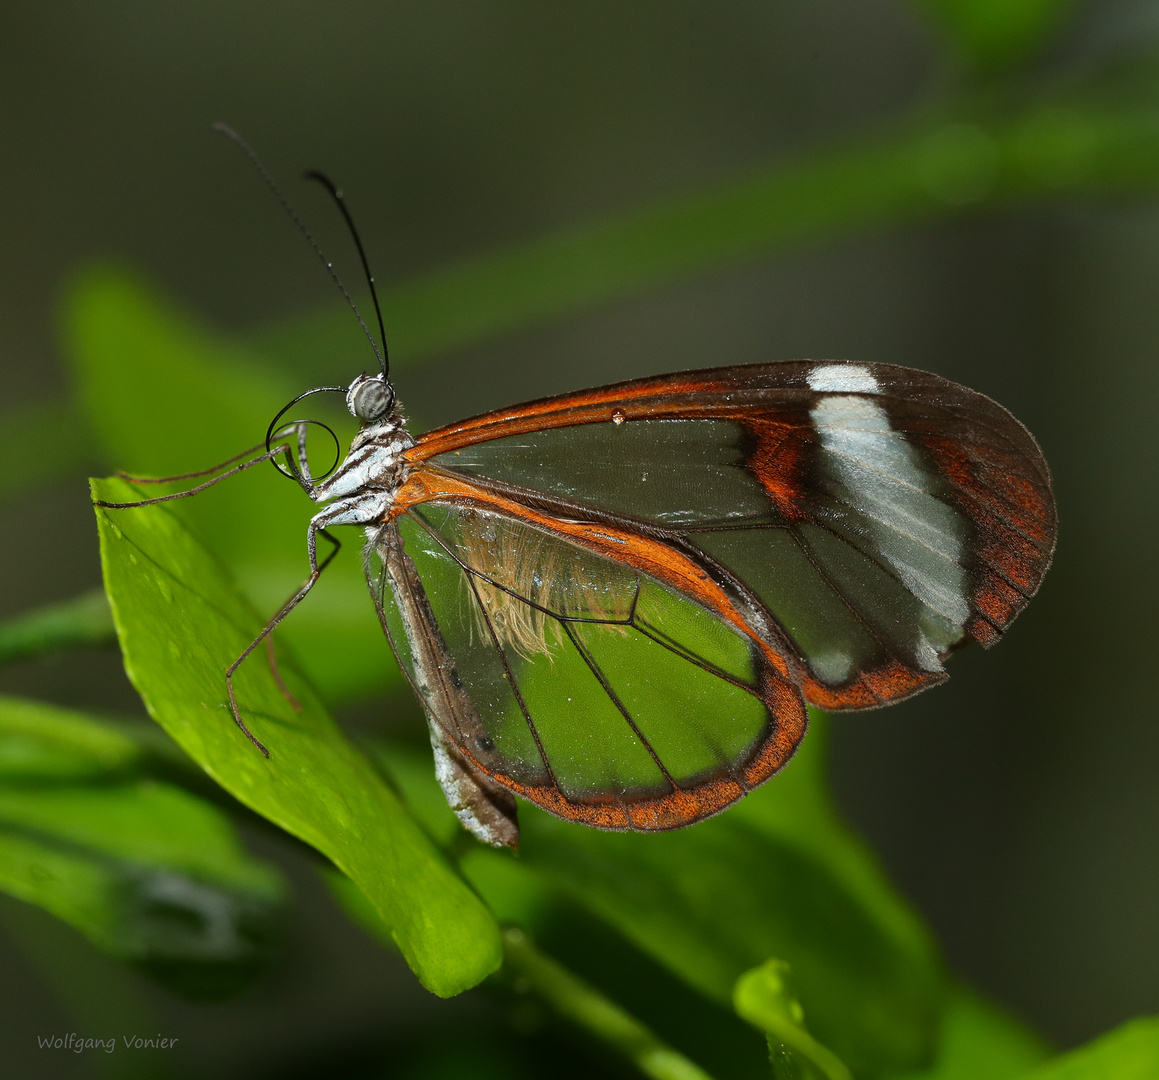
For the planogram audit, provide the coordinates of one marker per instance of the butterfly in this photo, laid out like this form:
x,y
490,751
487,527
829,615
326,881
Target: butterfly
x,y
617,603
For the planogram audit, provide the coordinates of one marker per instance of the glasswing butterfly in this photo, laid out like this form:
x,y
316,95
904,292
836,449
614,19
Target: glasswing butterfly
x,y
617,603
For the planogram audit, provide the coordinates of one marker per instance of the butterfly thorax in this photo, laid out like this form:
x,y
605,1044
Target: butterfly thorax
x,y
374,465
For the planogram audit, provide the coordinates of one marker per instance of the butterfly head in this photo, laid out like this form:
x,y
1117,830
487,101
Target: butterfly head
x,y
370,398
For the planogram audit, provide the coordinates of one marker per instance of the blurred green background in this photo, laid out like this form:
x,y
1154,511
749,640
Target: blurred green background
x,y
1016,807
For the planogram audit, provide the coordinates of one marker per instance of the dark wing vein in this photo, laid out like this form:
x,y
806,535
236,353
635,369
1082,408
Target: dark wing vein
x,y
510,675
606,686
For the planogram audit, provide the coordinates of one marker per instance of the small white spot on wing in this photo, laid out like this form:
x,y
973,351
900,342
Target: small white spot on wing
x,y
842,379
832,666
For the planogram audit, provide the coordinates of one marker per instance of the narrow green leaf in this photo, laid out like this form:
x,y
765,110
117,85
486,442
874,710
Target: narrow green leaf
x,y
149,822
148,872
996,33
181,622
1130,1052
40,743
152,411
765,999
42,442
84,620
909,172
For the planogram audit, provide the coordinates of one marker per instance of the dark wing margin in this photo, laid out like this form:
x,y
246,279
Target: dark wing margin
x,y
485,808
603,677
881,516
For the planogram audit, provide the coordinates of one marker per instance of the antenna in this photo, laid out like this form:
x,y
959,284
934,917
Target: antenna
x,y
263,172
336,195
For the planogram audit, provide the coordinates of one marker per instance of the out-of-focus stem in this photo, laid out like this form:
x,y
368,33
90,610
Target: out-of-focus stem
x,y
585,1006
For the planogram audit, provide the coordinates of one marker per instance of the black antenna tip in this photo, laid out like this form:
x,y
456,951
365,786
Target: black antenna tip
x,y
324,180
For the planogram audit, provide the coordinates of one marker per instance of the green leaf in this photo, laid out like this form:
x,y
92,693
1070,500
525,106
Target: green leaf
x,y
777,874
980,1040
513,891
774,876
1130,1052
997,33
181,622
40,743
166,396
40,443
148,872
764,998
84,620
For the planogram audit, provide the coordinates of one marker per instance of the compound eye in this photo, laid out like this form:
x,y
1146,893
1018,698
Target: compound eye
x,y
371,399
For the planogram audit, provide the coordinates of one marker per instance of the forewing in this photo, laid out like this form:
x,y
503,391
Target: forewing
x,y
881,516
603,693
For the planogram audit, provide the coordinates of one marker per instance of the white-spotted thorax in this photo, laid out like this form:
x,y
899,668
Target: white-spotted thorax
x,y
362,489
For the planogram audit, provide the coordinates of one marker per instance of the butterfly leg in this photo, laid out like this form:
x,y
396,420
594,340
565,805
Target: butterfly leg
x,y
269,455
271,657
359,509
272,660
317,526
297,430
189,475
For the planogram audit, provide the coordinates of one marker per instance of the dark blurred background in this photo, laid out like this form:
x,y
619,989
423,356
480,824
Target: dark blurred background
x,y
1016,807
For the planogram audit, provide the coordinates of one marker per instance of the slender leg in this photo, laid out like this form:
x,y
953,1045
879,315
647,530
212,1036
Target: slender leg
x,y
188,475
272,659
295,704
299,429
303,457
316,569
268,456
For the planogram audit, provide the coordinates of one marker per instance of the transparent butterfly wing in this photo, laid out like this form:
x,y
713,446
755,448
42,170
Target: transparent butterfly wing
x,y
564,674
